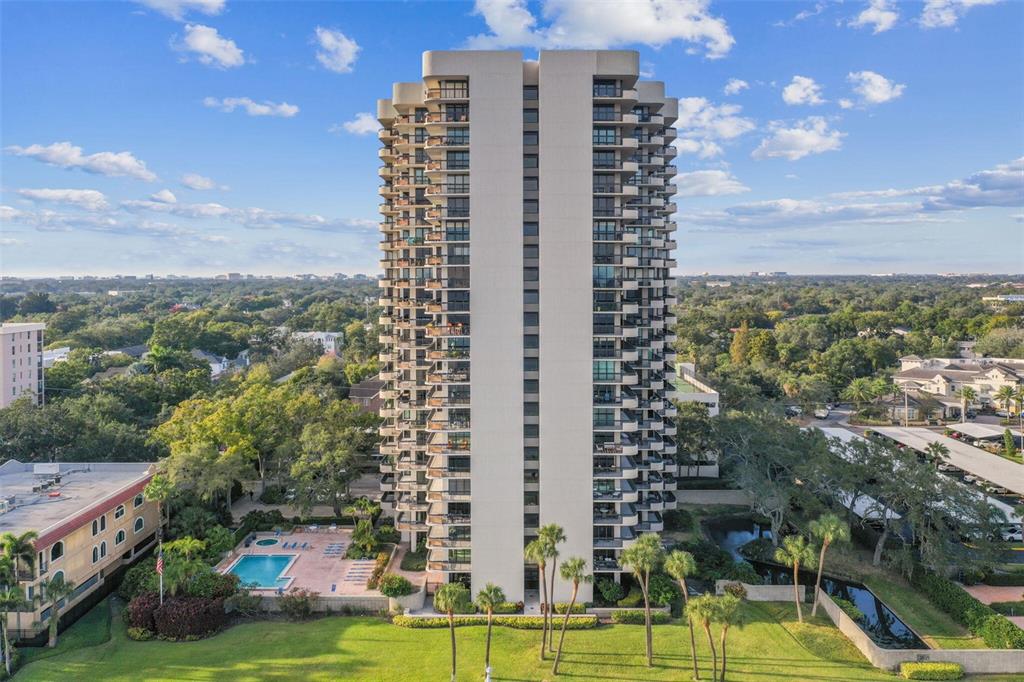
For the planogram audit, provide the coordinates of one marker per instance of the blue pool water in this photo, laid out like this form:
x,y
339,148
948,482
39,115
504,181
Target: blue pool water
x,y
263,570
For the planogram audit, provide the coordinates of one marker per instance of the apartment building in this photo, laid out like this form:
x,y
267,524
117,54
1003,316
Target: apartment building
x,y
943,378
21,362
92,519
527,237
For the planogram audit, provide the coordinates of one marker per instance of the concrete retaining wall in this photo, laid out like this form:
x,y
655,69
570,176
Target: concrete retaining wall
x,y
409,602
737,497
764,592
974,661
335,604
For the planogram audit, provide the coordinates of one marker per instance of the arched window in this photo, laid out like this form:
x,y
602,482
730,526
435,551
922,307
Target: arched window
x,y
120,537
140,523
139,499
119,512
95,554
103,549
57,551
95,526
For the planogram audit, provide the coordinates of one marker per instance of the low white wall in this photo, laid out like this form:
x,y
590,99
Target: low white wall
x,y
409,602
974,661
764,592
334,604
737,497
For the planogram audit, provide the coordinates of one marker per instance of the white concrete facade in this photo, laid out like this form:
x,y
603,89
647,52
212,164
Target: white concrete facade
x,y
527,230
21,362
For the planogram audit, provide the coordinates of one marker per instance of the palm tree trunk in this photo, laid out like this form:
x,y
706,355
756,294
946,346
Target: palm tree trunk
x,y
7,645
689,624
817,583
714,654
725,631
565,625
551,599
487,650
54,621
451,630
644,584
543,613
796,591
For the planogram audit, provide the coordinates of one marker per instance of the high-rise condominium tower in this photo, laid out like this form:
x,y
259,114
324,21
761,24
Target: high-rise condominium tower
x,y
527,221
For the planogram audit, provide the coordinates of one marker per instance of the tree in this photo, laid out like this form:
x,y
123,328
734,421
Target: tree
x,y
536,553
56,590
11,599
967,396
1009,447
795,551
1005,397
860,390
449,598
936,451
159,490
739,349
574,569
364,509
551,535
36,302
679,565
21,549
488,599
644,557
726,613
186,547
704,609
1018,397
828,529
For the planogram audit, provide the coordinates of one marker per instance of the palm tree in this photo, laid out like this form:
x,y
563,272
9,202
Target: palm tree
x,y
795,551
936,450
680,564
860,390
536,553
159,490
643,557
363,508
1005,396
487,599
11,599
1018,397
185,546
704,609
726,613
967,396
574,569
56,590
551,535
827,528
20,549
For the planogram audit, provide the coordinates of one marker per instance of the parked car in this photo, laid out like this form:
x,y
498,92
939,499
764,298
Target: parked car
x,y
1002,413
1012,534
970,479
947,467
793,411
822,413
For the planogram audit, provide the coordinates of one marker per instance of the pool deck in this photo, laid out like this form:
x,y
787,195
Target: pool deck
x,y
313,569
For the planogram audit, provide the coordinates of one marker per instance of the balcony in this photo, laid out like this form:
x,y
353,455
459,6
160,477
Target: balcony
x,y
445,94
435,141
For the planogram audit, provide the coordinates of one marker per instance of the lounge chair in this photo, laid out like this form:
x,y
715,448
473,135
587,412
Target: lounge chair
x,y
304,545
334,587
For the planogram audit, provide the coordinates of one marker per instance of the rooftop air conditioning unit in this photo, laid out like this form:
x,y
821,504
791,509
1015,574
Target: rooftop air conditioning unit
x,y
46,469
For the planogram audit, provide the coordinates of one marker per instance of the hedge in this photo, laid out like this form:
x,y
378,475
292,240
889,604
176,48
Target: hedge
x,y
517,622
563,606
1004,579
995,629
1008,608
394,585
636,617
378,570
508,607
931,671
189,617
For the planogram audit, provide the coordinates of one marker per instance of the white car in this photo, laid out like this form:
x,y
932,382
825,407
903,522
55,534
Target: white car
x,y
1012,534
947,467
822,413
970,479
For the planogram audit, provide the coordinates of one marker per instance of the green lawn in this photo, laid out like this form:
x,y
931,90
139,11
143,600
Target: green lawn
x,y
763,648
937,628
90,630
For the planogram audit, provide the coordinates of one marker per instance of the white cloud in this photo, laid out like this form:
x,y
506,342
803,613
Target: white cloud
x,y
802,90
734,86
879,14
253,108
363,124
1001,186
808,136
177,9
165,195
945,13
11,241
199,182
846,103
88,199
708,183
210,47
337,51
252,217
585,24
66,155
803,14
701,125
874,88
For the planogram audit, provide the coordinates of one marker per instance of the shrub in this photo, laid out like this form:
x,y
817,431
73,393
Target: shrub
x,y
743,572
713,562
415,561
993,628
259,519
1004,579
931,671
1000,633
139,613
378,570
634,598
212,585
849,608
678,519
636,617
516,622
184,617
244,603
392,585
218,541
297,603
273,494
506,607
136,579
388,534
1008,608
610,590
563,606
140,634
663,590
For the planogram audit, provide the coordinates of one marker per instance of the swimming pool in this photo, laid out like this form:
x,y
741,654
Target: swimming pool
x,y
266,542
263,570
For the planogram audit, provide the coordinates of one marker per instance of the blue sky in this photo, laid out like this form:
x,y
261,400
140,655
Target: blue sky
x,y
204,136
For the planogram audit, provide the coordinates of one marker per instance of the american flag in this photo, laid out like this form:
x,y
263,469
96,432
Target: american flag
x,y
160,564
